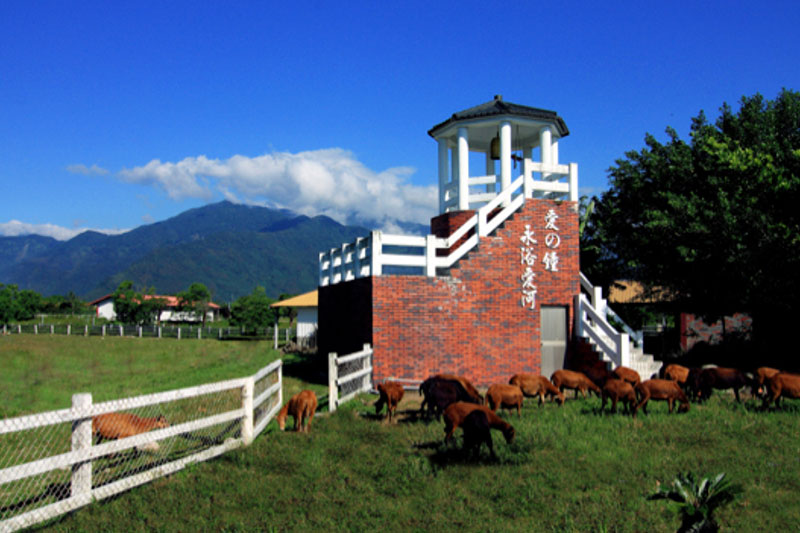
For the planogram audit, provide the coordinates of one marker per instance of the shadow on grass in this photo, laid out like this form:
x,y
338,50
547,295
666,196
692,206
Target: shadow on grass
x,y
308,368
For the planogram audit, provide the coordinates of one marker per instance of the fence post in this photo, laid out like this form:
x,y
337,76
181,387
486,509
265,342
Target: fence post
x,y
275,334
159,332
179,333
287,335
86,330
81,482
199,333
333,376
52,329
247,406
121,331
36,329
219,333
69,329
19,329
366,385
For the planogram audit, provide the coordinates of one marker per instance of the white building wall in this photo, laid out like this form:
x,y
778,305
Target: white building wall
x,y
306,322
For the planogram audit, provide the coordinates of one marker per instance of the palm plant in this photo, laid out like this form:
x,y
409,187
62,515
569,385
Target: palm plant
x,y
698,500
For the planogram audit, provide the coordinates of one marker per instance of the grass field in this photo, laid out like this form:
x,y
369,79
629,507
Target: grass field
x,y
569,469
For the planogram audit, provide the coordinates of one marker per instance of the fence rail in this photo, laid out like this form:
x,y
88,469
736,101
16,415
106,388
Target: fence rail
x,y
348,376
49,464
280,335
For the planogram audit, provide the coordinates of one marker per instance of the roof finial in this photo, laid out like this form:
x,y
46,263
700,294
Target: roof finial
x,y
498,97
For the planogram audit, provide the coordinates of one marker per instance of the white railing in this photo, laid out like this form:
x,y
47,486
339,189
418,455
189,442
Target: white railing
x,y
50,466
589,323
348,376
600,305
367,256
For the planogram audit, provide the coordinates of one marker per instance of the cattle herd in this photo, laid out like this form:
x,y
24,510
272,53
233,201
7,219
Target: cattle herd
x,y
459,402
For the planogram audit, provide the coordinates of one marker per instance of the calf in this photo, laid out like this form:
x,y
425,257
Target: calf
x,y
455,414
617,390
439,392
302,407
506,396
477,431
719,378
112,426
569,379
536,385
661,389
782,386
390,394
627,374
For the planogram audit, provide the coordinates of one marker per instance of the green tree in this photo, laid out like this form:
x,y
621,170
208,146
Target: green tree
x,y
9,306
712,221
134,307
253,311
195,300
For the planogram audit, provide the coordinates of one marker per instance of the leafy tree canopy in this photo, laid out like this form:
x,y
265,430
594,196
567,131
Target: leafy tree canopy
x,y
253,311
195,300
134,307
712,220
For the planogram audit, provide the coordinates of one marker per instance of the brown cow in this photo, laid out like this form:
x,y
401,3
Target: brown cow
x,y
618,389
627,374
570,379
506,396
471,390
476,432
719,378
390,394
764,373
782,386
455,414
677,373
536,385
661,389
302,407
439,392
597,372
111,426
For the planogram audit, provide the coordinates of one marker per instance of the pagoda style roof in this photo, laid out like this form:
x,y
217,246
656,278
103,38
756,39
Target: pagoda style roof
x,y
499,107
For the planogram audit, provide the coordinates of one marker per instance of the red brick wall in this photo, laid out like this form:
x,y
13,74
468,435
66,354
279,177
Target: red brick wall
x,y
470,322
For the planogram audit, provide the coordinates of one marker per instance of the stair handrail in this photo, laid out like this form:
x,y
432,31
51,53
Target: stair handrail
x,y
600,305
591,324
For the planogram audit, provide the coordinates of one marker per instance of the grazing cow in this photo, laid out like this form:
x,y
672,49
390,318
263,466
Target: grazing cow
x,y
719,378
471,390
455,414
782,386
112,426
440,392
617,390
506,396
763,374
390,394
661,389
536,385
677,373
627,374
570,379
302,407
597,372
476,432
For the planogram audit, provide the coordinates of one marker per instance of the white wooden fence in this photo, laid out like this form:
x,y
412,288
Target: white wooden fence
x,y
49,464
348,376
117,330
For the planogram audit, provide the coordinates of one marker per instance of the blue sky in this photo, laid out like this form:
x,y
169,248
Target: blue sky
x,y
117,114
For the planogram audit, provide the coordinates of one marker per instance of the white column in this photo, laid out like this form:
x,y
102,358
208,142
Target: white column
x,y
444,173
376,247
505,156
463,169
527,172
491,187
546,147
554,151
573,182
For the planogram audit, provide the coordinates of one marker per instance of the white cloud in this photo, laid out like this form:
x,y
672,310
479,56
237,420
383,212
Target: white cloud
x,y
15,228
93,170
331,182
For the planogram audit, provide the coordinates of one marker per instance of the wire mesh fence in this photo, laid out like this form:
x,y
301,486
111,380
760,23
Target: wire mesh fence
x,y
281,335
54,462
348,376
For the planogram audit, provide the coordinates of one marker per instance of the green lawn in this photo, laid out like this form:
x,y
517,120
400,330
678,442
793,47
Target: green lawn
x,y
569,469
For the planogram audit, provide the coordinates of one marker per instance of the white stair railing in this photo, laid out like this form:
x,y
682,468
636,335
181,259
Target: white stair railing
x,y
615,346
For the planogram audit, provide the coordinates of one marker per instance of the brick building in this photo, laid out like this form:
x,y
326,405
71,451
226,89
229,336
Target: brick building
x,y
494,286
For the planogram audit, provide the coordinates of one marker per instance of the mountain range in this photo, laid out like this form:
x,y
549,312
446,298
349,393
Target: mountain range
x,y
230,248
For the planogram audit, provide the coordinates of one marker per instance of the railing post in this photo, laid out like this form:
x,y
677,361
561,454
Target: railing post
x,y
578,316
333,376
376,248
624,349
430,255
81,480
573,182
247,407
